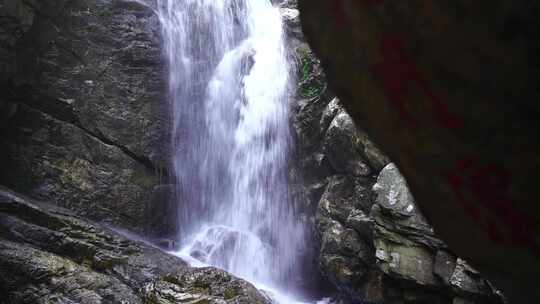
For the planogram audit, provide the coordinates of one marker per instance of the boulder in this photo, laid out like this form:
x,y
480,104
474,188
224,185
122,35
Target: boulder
x,y
445,264
48,254
348,148
341,147
376,246
408,250
162,214
396,207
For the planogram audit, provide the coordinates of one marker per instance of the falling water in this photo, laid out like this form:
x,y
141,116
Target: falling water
x,y
229,92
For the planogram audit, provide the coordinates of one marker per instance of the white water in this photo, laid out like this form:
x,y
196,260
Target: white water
x,y
229,83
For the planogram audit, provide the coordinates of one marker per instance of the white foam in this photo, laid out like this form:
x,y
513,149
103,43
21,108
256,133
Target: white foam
x,y
229,85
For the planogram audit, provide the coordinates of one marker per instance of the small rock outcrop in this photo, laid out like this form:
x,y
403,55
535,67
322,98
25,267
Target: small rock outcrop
x,y
50,255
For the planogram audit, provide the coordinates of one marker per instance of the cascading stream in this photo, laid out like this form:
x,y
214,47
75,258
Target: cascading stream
x,y
229,93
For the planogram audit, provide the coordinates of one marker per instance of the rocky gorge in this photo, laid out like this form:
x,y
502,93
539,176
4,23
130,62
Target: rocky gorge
x,y
85,128
373,243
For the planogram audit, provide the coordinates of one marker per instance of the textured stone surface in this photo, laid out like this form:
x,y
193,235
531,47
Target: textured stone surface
x,y
449,91
49,255
341,146
374,245
82,100
81,84
390,253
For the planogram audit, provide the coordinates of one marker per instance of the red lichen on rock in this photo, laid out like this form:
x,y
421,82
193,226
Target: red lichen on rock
x,y
398,74
339,12
489,186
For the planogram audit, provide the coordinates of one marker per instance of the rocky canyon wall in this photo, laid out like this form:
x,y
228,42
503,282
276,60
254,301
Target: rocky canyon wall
x,y
371,241
83,108
448,90
83,126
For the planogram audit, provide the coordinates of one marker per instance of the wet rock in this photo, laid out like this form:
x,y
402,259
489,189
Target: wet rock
x,y
396,207
344,200
445,264
379,248
348,148
83,92
341,146
329,113
50,255
162,213
206,285
360,222
341,256
345,250
407,249
461,301
404,260
311,166
441,87
373,155
54,158
374,244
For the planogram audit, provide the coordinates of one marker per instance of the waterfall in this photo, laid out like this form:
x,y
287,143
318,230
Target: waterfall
x,y
230,80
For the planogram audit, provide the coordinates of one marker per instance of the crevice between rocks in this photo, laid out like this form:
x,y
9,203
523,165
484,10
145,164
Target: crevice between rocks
x,y
64,113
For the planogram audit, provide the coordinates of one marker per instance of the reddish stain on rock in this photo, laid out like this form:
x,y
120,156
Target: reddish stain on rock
x,y
399,74
369,2
339,13
489,186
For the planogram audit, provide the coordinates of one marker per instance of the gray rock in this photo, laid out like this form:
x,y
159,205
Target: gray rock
x,y
445,264
59,160
162,212
404,261
361,223
396,202
49,255
393,193
206,285
345,199
33,276
391,252
408,250
329,113
345,250
342,256
465,278
461,301
341,147
414,82
336,202
88,82
374,156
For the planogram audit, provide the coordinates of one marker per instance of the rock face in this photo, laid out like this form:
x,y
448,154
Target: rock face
x,y
387,253
374,245
82,106
49,255
82,126
407,249
448,91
